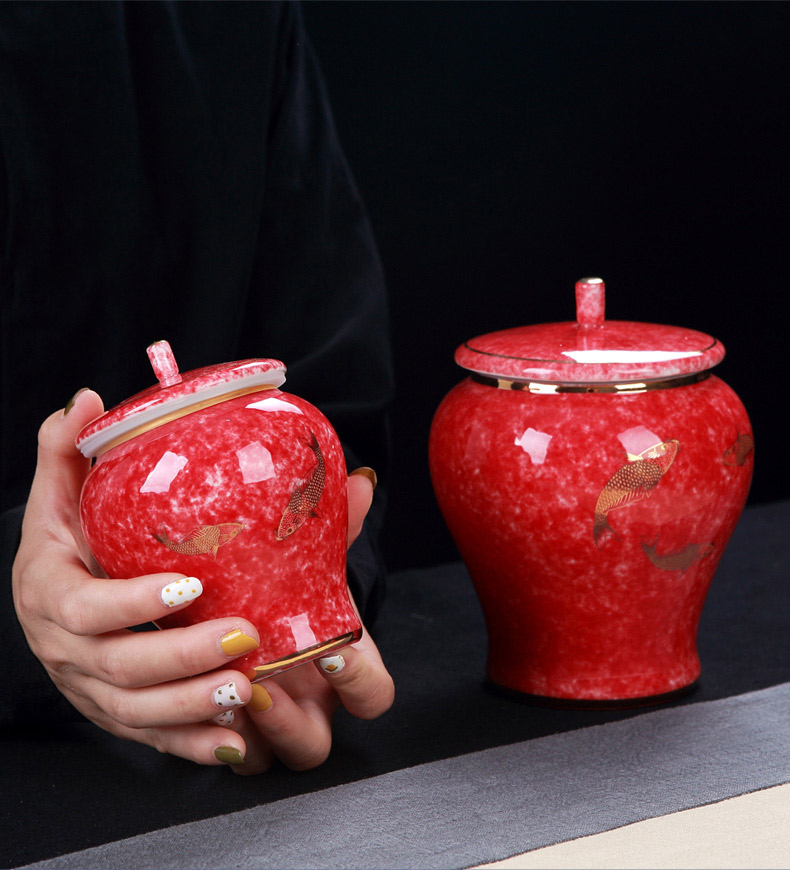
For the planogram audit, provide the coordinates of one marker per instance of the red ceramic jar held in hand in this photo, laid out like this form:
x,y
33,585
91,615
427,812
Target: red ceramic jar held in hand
x,y
591,474
219,475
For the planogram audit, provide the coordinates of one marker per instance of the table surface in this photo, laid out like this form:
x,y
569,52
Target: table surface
x,y
454,775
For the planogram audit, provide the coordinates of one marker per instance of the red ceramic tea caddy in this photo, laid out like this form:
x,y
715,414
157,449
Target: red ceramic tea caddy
x,y
218,474
591,474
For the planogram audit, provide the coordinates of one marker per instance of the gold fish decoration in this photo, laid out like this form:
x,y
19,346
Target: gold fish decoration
x,y
305,496
632,482
203,539
680,560
738,452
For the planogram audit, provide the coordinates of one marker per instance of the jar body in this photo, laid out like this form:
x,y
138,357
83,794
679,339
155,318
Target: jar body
x,y
591,526
249,496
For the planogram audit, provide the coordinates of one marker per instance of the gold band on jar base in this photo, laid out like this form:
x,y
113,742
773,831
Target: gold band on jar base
x,y
629,387
260,672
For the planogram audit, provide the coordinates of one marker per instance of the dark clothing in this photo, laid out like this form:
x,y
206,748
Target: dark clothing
x,y
171,170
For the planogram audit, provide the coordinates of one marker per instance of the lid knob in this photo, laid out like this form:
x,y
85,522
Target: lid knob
x,y
590,301
163,363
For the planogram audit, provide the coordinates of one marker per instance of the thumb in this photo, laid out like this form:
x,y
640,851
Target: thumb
x,y
61,469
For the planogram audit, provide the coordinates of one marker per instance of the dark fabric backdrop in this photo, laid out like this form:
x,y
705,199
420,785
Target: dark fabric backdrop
x,y
505,150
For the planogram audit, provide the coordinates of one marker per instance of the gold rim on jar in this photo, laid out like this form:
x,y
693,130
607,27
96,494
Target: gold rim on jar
x,y
181,412
627,388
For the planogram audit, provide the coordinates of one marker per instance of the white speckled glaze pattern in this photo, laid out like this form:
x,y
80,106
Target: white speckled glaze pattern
x,y
205,494
592,525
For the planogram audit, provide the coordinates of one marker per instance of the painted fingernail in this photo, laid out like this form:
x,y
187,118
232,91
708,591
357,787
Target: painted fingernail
x,y
261,700
227,696
228,755
72,400
236,643
332,664
365,471
225,718
181,591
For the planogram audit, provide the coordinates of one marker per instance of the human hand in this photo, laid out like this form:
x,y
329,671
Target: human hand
x,y
156,688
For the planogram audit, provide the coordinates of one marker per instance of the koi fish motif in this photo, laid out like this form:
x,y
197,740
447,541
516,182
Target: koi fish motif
x,y
203,539
680,560
631,483
739,450
305,496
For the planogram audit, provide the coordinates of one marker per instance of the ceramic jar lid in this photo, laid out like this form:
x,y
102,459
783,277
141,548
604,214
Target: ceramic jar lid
x,y
591,349
176,394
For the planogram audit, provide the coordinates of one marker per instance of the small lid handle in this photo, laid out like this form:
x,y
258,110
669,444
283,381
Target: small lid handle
x,y
590,301
163,363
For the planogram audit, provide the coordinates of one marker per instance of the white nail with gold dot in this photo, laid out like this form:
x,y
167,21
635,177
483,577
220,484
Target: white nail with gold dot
x,y
332,664
227,696
181,591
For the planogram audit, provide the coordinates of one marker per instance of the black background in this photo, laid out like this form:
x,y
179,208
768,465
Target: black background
x,y
505,150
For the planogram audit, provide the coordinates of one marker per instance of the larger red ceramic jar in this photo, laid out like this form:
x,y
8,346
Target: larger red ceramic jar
x,y
591,474
219,475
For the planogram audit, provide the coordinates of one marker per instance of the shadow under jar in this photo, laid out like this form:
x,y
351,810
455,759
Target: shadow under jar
x,y
591,474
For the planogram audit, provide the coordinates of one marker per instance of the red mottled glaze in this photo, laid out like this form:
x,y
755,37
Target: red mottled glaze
x,y
605,350
590,302
234,464
591,548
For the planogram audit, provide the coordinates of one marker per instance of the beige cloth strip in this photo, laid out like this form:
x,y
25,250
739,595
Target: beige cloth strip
x,y
749,831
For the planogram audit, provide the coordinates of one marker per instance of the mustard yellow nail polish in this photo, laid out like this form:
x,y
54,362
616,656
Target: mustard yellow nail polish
x,y
228,755
261,700
236,643
365,471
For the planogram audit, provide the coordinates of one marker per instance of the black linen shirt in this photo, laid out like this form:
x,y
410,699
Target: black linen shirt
x,y
171,170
